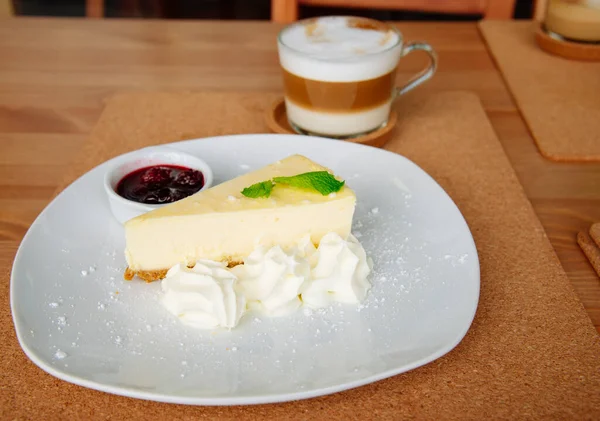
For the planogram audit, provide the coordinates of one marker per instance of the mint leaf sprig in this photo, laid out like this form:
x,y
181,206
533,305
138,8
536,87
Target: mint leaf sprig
x,y
262,189
320,181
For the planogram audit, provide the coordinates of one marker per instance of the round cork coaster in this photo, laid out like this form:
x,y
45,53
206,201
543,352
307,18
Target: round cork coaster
x,y
276,119
567,49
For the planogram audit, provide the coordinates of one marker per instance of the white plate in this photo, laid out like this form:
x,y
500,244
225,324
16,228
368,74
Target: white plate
x,y
77,318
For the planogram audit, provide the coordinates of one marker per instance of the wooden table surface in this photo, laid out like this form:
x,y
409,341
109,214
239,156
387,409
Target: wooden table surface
x,y
55,74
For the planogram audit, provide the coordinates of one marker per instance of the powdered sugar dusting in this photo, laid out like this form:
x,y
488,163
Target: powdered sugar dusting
x,y
59,354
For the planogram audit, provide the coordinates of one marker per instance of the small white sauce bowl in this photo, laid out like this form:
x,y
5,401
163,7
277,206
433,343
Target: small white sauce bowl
x,y
125,209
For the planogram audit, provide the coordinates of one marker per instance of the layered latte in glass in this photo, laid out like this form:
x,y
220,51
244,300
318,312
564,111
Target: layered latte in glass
x,y
574,20
339,74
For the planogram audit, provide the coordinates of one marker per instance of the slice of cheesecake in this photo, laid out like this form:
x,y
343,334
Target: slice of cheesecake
x,y
222,224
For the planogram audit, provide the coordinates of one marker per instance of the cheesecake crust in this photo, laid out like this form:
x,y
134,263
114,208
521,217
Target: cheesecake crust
x,y
146,275
157,275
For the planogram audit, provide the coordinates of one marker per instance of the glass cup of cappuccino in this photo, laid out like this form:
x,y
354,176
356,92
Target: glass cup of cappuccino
x,y
339,74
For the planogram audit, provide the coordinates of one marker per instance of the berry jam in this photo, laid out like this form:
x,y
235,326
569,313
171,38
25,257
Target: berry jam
x,y
160,184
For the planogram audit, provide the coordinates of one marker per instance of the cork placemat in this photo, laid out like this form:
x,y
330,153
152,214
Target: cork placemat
x,y
531,352
557,97
589,241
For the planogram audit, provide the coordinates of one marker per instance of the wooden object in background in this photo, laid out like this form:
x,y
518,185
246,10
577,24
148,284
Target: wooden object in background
x,y
286,11
94,8
126,8
539,9
589,241
6,8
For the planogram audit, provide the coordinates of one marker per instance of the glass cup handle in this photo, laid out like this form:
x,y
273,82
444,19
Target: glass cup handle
x,y
426,73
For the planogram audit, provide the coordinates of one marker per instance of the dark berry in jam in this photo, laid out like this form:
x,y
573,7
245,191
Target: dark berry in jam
x,y
189,178
160,184
157,176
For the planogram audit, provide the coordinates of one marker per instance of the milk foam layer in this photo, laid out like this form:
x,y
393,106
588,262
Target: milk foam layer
x,y
331,50
337,124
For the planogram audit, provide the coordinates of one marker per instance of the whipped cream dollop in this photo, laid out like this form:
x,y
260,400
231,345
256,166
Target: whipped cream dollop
x,y
339,274
272,280
203,296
